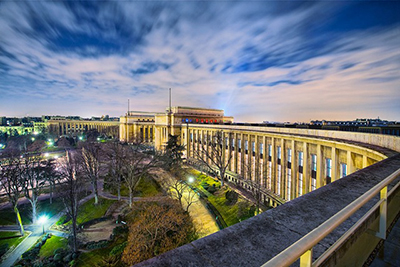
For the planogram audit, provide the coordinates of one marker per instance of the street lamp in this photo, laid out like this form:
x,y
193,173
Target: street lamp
x,y
42,221
190,179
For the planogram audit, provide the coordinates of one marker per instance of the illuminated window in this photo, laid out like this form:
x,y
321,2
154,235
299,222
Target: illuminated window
x,y
246,146
328,170
343,170
300,184
313,171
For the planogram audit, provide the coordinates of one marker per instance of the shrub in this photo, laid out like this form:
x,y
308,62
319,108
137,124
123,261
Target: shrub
x,y
117,250
58,251
119,230
231,197
58,257
97,245
212,189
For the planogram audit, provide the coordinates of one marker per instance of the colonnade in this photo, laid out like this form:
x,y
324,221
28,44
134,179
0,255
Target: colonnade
x,y
145,131
77,127
285,166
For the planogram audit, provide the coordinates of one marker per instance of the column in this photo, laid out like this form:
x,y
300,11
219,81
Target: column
x,y
264,171
273,165
249,158
306,168
283,169
350,163
319,176
258,177
236,153
334,164
365,161
242,155
294,170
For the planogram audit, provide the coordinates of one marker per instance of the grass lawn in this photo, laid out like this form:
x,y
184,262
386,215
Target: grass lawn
x,y
8,216
228,212
95,257
52,244
88,211
147,187
10,242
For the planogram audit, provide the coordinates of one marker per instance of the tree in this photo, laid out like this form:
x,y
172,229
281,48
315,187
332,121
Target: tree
x,y
11,183
34,175
137,165
70,189
173,153
116,154
181,191
91,165
157,228
254,181
212,154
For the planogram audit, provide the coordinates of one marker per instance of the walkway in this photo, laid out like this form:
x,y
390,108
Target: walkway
x,y
203,220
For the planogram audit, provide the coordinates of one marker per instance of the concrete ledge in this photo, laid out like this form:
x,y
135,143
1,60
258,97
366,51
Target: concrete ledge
x,y
256,240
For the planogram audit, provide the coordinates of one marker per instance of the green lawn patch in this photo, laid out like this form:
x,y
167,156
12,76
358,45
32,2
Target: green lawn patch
x,y
97,256
9,240
147,187
88,211
8,216
231,214
51,245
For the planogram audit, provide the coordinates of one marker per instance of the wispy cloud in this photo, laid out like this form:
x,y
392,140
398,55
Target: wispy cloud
x,y
258,60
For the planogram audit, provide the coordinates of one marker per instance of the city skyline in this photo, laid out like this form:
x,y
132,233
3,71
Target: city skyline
x,y
257,61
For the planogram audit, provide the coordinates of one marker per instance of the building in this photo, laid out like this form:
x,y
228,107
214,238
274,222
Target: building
x,y
301,171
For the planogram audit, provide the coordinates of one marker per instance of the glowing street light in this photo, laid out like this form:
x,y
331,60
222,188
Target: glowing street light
x,y
35,133
46,154
33,138
81,138
42,221
190,179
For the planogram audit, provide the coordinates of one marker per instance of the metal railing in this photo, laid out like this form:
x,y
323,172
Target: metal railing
x,y
303,248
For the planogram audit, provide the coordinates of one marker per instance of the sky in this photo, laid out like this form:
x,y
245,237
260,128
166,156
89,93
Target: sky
x,y
287,61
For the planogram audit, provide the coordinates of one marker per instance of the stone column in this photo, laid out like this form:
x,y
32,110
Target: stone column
x,y
249,158
365,161
242,155
306,170
257,176
334,165
350,163
294,171
319,175
235,156
283,169
273,165
264,171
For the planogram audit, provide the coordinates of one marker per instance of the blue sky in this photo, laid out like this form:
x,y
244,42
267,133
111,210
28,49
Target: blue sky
x,y
258,60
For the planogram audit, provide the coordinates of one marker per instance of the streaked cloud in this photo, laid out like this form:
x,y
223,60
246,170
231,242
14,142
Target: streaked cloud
x,y
257,60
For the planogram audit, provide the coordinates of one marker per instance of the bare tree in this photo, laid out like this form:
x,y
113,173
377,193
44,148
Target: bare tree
x,y
91,165
34,175
12,183
180,190
253,179
70,190
116,154
212,153
137,165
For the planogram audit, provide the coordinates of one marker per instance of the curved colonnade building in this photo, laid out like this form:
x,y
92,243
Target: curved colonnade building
x,y
287,162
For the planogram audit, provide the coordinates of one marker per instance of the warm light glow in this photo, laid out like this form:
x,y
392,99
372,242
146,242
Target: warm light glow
x,y
35,133
80,138
190,179
46,154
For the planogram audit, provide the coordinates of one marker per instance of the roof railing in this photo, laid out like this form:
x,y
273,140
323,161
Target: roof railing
x,y
303,248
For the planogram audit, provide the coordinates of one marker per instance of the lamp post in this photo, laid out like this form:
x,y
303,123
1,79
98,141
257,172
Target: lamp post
x,y
42,221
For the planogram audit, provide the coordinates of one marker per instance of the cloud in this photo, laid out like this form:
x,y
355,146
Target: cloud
x,y
258,61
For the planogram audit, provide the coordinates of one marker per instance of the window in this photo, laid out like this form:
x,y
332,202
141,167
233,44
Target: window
x,y
226,142
343,170
246,146
261,150
289,154
300,184
301,154
191,137
240,145
269,152
253,148
289,182
278,180
313,171
328,163
279,152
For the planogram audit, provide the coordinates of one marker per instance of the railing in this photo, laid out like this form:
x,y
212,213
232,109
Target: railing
x,y
303,248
